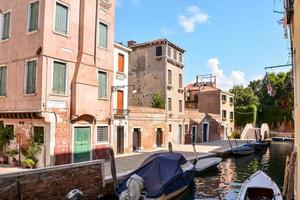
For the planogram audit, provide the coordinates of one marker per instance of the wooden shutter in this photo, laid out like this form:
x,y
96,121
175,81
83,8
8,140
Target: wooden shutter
x,y
103,34
61,19
31,77
102,134
3,81
38,135
34,16
6,26
59,78
120,99
102,88
120,63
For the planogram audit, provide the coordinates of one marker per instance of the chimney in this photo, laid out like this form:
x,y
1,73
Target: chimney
x,y
131,43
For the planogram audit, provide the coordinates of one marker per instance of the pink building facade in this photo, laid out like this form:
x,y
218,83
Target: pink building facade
x,y
56,67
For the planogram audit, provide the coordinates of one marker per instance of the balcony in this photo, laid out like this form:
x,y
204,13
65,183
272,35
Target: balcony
x,y
121,113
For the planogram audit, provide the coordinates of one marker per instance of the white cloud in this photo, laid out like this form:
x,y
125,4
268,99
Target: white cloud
x,y
225,82
193,17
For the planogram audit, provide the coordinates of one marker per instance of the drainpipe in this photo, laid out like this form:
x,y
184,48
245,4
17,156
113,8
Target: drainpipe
x,y
95,35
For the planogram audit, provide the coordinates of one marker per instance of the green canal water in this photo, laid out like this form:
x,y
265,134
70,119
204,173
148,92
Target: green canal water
x,y
225,181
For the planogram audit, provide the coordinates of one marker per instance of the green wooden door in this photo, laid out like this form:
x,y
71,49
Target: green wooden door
x,y
82,144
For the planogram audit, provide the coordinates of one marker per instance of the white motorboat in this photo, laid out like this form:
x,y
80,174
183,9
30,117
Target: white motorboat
x,y
207,163
259,186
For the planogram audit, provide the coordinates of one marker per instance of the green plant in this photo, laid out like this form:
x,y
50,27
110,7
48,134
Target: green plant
x,y
158,101
12,153
235,134
28,163
245,115
32,151
6,135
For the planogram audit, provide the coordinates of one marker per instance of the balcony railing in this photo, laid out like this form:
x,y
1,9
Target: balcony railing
x,y
121,113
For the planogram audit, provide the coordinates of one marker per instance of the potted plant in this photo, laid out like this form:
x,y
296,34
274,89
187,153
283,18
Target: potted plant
x,y
30,154
28,163
5,136
12,153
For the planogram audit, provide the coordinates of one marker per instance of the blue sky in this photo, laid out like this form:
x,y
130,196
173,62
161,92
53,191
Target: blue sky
x,y
233,39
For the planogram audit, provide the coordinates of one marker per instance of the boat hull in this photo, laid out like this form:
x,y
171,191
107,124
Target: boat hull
x,y
243,151
207,164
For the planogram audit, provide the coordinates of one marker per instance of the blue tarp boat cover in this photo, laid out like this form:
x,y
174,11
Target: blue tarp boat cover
x,y
162,174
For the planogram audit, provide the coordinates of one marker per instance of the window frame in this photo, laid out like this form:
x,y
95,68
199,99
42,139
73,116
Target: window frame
x,y
169,104
156,50
5,66
180,84
25,75
169,52
224,100
68,21
180,57
107,38
231,114
174,54
38,126
107,80
102,142
66,81
29,14
122,55
224,111
2,24
170,128
180,104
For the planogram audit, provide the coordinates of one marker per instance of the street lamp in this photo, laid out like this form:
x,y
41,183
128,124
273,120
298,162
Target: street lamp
x,y
117,87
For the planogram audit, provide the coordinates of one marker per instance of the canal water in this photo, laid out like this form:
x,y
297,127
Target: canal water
x,y
225,181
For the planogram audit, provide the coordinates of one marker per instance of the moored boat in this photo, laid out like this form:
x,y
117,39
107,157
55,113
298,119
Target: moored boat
x,y
260,145
259,186
207,164
162,176
243,150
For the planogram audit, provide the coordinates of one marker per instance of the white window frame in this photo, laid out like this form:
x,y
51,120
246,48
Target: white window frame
x,y
69,15
107,86
108,134
67,76
25,75
1,24
28,16
6,79
98,34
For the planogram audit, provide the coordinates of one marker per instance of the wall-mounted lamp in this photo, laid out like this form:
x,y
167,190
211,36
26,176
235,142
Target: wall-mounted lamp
x,y
116,88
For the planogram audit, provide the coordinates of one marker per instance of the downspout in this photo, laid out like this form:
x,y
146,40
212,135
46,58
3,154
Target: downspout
x,y
95,35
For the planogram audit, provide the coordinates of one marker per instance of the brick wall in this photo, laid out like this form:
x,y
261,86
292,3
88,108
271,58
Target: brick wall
x,y
55,182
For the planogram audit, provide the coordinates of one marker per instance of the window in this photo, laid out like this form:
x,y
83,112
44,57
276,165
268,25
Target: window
x,y
180,105
169,52
180,80
38,134
102,85
102,134
61,18
170,128
59,78
231,100
231,115
169,104
30,78
11,131
121,63
224,114
169,77
5,26
175,54
224,98
33,17
3,81
158,51
103,35
180,57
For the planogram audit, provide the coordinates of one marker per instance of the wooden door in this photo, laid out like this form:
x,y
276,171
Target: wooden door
x,y
120,139
120,104
82,144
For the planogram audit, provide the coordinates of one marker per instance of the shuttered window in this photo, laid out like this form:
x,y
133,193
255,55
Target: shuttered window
x,y
231,115
169,77
102,134
33,16
30,86
103,35
102,85
180,105
59,78
121,63
38,134
169,52
61,18
5,26
169,104
180,80
224,114
3,81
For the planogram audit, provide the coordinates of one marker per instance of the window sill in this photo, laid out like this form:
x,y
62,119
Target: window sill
x,y
103,99
102,143
3,97
103,48
61,34
30,95
5,40
31,32
59,95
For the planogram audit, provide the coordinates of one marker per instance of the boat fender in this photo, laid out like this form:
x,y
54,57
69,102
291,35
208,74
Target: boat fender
x,y
135,185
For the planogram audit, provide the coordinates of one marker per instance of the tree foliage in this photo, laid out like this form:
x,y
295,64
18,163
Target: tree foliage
x,y
244,96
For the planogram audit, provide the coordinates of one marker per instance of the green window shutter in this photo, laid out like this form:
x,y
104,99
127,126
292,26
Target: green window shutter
x,y
34,16
102,81
6,26
103,34
3,81
61,19
31,77
59,78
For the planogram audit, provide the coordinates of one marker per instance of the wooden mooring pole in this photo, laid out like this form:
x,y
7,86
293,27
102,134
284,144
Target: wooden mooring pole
x,y
289,176
113,167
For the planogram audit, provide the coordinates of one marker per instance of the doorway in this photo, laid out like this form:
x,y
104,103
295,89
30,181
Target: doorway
x,y
120,139
194,132
136,144
82,143
159,137
205,132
